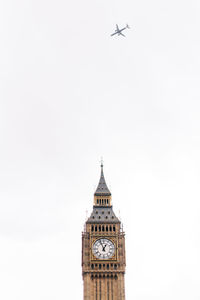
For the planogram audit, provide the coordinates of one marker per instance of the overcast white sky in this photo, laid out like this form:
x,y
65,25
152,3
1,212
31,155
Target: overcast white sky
x,y
69,94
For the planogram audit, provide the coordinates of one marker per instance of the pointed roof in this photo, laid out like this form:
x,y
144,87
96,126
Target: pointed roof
x,y
102,189
103,215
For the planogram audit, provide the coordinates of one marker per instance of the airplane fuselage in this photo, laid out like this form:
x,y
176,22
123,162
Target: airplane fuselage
x,y
118,31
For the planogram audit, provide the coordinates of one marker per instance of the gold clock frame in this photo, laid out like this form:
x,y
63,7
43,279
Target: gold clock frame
x,y
113,239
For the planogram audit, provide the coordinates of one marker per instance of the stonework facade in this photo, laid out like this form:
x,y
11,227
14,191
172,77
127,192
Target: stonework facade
x,y
103,250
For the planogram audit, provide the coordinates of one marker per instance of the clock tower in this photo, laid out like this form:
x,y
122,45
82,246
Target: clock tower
x,y
103,249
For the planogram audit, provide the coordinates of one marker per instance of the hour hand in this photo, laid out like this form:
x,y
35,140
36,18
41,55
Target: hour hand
x,y
104,247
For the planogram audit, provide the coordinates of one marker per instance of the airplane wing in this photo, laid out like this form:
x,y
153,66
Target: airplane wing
x,y
122,34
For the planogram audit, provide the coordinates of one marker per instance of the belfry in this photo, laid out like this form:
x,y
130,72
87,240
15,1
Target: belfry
x,y
103,249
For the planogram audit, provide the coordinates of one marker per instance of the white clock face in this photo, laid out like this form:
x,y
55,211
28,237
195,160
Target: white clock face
x,y
103,249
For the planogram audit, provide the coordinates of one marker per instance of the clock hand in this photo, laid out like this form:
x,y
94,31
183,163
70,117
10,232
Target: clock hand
x,y
102,246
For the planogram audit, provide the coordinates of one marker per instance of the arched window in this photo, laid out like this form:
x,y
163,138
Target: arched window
x,y
99,228
95,228
103,228
92,228
107,228
114,228
110,228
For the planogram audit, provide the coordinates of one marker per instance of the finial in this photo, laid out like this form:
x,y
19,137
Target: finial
x,y
119,215
101,162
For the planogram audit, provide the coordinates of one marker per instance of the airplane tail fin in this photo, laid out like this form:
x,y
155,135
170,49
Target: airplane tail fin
x,y
127,26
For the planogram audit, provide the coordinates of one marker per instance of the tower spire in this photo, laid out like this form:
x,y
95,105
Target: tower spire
x,y
102,189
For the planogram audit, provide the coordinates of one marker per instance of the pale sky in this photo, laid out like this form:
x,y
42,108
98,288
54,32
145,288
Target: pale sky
x,y
69,94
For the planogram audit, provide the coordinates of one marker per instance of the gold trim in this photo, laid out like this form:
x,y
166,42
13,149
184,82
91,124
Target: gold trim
x,y
113,239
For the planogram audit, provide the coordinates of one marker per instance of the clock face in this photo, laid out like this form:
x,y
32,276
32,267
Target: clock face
x,y
103,249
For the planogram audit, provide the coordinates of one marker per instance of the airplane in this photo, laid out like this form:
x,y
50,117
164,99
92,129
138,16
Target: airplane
x,y
119,31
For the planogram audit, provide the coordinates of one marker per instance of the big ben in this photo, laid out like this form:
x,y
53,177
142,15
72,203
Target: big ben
x,y
103,249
